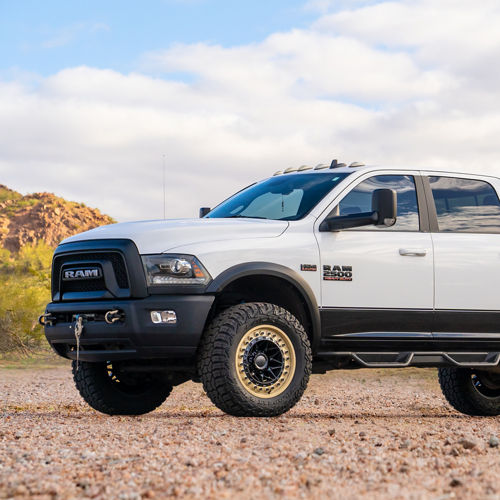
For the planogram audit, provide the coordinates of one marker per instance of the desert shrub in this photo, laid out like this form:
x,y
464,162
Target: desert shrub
x,y
24,293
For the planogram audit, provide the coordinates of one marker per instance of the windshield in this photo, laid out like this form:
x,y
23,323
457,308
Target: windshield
x,y
284,197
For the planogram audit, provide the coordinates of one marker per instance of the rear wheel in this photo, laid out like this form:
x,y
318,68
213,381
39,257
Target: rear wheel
x,y
255,360
108,389
471,391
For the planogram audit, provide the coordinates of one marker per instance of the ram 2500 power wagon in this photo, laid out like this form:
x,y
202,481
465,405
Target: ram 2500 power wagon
x,y
306,271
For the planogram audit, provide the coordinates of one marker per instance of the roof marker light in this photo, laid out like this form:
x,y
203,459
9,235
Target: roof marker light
x,y
356,164
290,169
304,167
320,166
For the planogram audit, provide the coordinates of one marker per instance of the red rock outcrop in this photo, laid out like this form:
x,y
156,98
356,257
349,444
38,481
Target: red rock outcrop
x,y
42,217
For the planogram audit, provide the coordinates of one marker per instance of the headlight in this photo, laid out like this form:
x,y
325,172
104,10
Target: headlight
x,y
171,269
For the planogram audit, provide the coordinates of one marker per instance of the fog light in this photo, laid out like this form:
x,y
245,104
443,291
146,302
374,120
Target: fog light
x,y
163,317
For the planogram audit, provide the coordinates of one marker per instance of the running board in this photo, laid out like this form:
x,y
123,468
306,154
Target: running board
x,y
404,359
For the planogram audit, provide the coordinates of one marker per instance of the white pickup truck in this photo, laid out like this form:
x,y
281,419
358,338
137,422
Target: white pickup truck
x,y
312,269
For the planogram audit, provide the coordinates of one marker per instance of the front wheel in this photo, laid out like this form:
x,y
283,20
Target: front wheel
x,y
471,391
108,389
255,360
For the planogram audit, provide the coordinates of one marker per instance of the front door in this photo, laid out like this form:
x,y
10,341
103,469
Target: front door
x,y
377,280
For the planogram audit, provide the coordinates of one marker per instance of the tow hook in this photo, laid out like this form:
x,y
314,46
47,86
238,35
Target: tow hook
x,y
113,316
46,319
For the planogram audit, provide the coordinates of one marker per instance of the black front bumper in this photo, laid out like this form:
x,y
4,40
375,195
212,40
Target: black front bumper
x,y
136,336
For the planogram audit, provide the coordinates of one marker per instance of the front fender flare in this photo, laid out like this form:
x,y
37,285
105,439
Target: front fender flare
x,y
279,271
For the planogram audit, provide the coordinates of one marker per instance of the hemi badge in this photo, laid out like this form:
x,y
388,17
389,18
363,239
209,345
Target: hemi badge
x,y
308,267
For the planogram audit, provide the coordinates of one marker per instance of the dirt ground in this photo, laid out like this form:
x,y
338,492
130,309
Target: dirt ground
x,y
357,434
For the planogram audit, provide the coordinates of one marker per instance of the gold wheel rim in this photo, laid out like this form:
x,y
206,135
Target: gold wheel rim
x,y
265,361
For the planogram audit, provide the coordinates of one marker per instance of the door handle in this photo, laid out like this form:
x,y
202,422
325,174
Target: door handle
x,y
413,252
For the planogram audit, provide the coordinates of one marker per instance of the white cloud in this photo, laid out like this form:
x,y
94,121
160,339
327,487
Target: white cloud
x,y
395,83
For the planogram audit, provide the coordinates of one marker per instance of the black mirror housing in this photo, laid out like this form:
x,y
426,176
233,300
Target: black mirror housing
x,y
385,203
204,211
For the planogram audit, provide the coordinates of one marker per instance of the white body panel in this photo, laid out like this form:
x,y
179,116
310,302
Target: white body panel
x,y
382,277
467,268
159,236
297,245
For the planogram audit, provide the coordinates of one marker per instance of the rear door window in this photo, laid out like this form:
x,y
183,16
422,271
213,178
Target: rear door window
x,y
465,205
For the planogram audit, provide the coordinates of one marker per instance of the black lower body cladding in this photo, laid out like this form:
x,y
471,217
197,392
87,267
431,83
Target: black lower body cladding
x,y
135,336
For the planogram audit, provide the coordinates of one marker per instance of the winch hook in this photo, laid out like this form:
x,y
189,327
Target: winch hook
x,y
113,316
46,319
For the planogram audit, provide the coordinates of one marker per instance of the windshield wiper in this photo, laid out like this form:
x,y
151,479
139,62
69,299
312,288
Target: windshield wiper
x,y
244,217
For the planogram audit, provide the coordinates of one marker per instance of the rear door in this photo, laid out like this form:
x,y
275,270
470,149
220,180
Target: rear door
x,y
466,253
378,279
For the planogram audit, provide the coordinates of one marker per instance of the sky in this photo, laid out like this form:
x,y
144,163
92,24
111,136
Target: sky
x,y
96,96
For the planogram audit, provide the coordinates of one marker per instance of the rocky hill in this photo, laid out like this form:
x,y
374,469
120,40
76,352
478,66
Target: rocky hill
x,y
42,217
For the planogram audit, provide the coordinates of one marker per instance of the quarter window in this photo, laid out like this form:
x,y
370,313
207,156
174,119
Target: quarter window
x,y
465,205
360,200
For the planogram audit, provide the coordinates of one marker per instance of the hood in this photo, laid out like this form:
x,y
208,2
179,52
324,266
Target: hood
x,y
158,236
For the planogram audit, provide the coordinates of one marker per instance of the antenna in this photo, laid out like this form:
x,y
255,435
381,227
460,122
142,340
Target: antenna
x,y
164,191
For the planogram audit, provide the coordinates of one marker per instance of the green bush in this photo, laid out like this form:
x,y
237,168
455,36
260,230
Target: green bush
x,y
24,293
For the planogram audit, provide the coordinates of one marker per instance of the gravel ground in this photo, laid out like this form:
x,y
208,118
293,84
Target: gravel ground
x,y
357,434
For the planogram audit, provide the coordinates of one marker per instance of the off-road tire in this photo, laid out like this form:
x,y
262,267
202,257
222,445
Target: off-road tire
x,y
460,390
217,360
103,393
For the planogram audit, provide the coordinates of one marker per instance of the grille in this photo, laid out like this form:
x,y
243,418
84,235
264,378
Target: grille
x,y
84,286
116,259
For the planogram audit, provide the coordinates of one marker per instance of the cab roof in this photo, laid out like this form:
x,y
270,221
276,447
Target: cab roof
x,y
361,167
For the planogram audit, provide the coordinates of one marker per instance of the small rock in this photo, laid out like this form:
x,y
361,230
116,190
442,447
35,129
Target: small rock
x,y
319,451
405,444
493,442
316,402
455,482
243,440
467,443
331,432
455,452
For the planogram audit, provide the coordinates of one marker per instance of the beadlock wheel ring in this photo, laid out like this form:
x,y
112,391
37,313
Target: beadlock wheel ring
x,y
265,361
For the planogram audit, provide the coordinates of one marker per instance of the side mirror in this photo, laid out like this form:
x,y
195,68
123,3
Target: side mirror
x,y
385,204
384,212
204,211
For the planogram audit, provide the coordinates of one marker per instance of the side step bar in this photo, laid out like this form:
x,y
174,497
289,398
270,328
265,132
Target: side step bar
x,y
404,359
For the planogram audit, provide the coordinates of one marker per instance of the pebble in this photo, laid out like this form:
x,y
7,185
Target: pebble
x,y
493,442
467,443
405,444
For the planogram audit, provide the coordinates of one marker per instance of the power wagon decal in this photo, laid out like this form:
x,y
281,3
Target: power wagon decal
x,y
337,273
